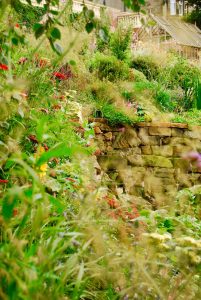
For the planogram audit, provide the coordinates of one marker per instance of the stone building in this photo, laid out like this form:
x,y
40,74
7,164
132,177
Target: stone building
x,y
157,7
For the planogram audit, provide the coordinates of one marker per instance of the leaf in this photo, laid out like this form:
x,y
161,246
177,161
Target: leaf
x,y
89,27
39,29
90,14
8,206
57,48
72,63
55,33
58,205
103,35
59,150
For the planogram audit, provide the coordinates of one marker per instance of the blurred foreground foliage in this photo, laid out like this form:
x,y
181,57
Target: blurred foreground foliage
x,y
64,234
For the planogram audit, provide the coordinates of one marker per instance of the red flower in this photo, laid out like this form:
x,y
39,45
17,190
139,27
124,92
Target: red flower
x,y
46,147
60,76
56,106
3,181
33,138
3,67
15,212
17,25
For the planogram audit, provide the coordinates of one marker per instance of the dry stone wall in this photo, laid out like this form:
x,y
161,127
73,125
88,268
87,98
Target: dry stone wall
x,y
147,159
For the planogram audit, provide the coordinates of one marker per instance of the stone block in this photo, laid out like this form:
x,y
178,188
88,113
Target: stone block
x,y
136,160
132,138
135,150
181,141
160,131
97,130
165,140
177,132
164,172
166,150
108,136
146,139
157,161
180,150
108,162
183,165
194,132
146,150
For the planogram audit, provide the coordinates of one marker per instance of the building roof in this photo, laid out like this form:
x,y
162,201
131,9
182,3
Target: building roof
x,y
184,33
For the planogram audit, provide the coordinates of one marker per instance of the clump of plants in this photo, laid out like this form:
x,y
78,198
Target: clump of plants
x,y
147,66
108,67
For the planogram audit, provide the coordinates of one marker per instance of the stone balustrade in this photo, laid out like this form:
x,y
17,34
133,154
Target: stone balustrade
x,y
147,158
130,20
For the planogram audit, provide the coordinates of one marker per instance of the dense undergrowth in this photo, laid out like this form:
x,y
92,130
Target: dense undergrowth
x,y
64,233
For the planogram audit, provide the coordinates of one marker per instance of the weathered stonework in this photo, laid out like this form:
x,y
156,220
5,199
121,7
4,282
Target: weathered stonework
x,y
148,157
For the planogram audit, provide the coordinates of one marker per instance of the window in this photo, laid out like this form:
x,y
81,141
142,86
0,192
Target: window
x,y
172,7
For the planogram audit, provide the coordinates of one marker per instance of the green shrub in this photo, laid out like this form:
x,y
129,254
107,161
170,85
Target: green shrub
x,y
185,76
116,116
147,66
120,43
166,99
139,76
109,67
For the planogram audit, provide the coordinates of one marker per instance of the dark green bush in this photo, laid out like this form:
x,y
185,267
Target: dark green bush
x,y
109,67
194,17
147,66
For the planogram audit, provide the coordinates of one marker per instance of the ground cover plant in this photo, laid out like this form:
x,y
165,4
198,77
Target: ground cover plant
x,y
65,233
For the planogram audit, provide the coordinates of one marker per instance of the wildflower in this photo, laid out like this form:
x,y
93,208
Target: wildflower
x,y
33,138
43,62
3,67
192,156
17,25
15,212
22,60
97,152
46,147
3,181
60,76
56,106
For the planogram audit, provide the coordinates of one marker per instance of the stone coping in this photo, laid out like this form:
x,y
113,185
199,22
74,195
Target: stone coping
x,y
149,124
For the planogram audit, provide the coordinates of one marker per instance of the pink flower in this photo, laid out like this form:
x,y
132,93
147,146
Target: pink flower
x,y
122,129
192,156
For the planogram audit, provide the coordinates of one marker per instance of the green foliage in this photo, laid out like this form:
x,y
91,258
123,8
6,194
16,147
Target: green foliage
x,y
194,17
185,76
119,43
59,237
165,98
109,67
147,66
28,14
116,116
